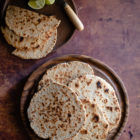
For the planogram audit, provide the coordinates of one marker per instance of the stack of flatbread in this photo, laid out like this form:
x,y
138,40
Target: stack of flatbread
x,y
33,35
71,103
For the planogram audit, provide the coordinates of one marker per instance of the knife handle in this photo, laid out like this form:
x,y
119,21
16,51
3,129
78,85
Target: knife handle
x,y
73,17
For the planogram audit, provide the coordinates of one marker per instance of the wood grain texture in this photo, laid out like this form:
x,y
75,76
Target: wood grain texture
x,y
112,35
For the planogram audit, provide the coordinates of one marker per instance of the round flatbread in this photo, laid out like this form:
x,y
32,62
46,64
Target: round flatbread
x,y
40,51
26,23
98,91
64,73
55,112
96,127
24,42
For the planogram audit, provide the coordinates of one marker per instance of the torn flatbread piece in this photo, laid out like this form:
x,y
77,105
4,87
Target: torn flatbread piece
x,y
39,51
26,23
64,73
24,42
55,112
96,127
99,91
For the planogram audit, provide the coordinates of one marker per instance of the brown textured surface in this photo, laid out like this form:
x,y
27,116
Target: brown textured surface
x,y
99,69
112,32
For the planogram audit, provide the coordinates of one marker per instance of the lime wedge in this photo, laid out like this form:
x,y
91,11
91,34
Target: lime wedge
x,y
49,2
36,4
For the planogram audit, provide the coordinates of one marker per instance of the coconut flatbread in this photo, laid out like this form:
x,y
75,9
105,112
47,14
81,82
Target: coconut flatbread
x,y
64,73
55,112
40,51
98,91
26,23
96,127
24,42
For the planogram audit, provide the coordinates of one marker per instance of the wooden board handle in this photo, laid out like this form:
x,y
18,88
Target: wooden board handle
x,y
73,17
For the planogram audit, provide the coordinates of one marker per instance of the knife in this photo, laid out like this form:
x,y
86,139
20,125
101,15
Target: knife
x,y
72,15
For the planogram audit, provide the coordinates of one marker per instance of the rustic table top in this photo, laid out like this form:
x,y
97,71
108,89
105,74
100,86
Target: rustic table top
x,y
112,35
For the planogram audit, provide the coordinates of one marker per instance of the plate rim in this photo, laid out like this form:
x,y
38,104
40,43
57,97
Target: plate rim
x,y
77,58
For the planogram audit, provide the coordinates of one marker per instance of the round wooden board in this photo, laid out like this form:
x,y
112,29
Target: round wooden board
x,y
66,28
100,69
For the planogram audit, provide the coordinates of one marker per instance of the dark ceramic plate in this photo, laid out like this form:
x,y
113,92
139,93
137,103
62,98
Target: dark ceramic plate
x,y
100,69
65,30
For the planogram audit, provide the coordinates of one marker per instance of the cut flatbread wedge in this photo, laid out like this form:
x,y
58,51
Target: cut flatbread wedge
x,y
98,91
24,42
55,112
40,51
96,126
26,23
64,73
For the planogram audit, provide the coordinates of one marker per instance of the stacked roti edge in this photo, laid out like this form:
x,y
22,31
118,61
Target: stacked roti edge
x,y
32,34
79,78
